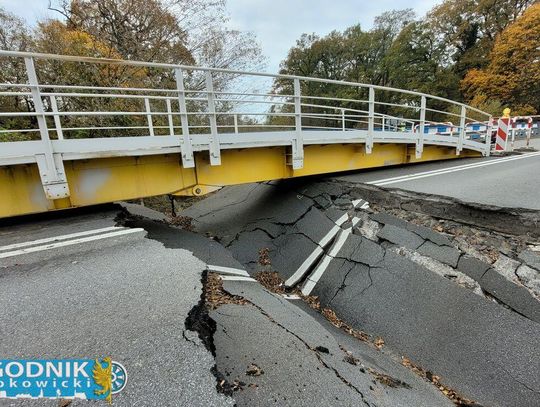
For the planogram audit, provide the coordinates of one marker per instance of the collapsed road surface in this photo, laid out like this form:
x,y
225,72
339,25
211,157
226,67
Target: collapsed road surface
x,y
302,292
120,282
458,300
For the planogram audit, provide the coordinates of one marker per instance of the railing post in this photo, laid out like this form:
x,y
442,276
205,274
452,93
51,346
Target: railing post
x,y
489,130
421,128
343,119
235,118
298,141
383,123
149,116
50,164
57,122
461,138
371,120
187,149
213,145
170,117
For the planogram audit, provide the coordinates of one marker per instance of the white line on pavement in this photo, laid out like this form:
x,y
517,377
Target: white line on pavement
x,y
291,297
304,267
69,242
314,278
57,238
237,278
227,270
425,174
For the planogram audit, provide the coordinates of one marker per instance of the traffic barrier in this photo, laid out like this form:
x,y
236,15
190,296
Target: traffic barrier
x,y
522,123
501,140
442,129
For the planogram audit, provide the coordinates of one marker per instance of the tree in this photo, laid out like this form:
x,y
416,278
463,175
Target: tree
x,y
136,29
512,75
467,28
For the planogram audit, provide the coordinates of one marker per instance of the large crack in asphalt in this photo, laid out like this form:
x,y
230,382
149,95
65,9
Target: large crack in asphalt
x,y
413,207
316,351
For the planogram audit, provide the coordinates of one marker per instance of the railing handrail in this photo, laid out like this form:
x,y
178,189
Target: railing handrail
x,y
123,62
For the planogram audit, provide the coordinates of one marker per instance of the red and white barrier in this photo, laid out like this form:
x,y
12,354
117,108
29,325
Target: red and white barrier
x,y
522,123
501,140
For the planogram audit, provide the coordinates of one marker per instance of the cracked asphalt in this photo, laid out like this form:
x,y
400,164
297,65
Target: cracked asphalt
x,y
404,282
384,286
126,298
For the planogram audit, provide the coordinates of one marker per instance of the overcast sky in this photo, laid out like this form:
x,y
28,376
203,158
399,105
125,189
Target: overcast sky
x,y
277,23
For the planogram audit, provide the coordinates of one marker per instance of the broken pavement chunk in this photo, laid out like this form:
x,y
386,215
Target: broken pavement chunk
x,y
400,236
445,254
473,267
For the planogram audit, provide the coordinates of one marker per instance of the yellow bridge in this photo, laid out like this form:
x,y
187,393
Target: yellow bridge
x,y
126,129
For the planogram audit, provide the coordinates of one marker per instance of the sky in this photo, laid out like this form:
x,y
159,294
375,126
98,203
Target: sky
x,y
277,23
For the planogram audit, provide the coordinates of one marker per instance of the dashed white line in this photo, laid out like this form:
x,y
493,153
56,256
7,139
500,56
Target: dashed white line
x,y
69,242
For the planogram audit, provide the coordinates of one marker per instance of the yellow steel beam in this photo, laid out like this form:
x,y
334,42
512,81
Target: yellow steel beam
x,y
263,164
103,180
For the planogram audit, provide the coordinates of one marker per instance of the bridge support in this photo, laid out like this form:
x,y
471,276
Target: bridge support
x,y
50,165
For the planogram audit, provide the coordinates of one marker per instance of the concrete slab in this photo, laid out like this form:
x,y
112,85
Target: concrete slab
x,y
473,267
531,258
400,236
515,296
422,231
444,254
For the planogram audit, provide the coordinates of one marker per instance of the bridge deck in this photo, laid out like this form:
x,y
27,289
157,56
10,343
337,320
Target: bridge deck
x,y
86,144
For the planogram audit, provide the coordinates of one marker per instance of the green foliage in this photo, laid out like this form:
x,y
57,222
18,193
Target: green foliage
x,y
430,55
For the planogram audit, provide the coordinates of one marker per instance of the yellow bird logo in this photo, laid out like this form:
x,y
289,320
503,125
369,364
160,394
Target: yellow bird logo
x,y
103,378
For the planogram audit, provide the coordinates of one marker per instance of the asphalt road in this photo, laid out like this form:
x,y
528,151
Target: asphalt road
x,y
421,308
114,294
506,182
96,284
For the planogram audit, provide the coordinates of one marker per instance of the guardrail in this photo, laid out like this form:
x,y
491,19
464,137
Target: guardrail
x,y
58,107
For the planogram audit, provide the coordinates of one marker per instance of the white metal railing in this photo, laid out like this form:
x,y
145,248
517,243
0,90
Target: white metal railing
x,y
47,121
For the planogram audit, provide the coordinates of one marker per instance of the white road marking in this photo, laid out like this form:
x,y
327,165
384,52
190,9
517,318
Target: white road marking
x,y
69,242
314,278
357,202
304,267
227,270
58,238
237,278
425,174
291,297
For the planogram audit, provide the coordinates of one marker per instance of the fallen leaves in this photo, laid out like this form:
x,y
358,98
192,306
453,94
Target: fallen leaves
x,y
331,316
436,380
264,258
379,343
183,222
254,370
216,296
388,380
272,281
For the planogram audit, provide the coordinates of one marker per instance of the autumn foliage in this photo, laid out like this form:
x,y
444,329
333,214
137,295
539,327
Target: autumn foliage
x,y
513,73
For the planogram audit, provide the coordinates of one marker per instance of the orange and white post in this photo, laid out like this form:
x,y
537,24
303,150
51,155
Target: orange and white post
x,y
501,141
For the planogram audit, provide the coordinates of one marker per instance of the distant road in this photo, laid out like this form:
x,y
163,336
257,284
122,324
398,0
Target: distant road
x,y
512,181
